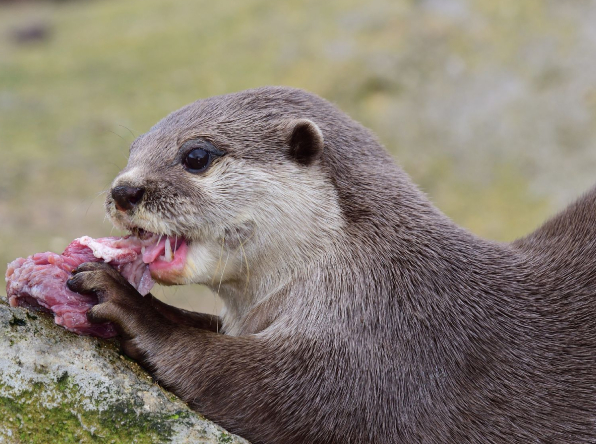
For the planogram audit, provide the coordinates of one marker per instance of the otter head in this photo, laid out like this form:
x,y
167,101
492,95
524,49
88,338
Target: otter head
x,y
230,192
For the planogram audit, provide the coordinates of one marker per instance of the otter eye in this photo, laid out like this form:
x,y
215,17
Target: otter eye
x,y
197,160
197,155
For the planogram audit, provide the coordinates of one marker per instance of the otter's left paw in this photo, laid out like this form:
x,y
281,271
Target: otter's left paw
x,y
118,300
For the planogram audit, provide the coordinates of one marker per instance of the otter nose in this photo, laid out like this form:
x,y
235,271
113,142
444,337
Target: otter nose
x,y
127,198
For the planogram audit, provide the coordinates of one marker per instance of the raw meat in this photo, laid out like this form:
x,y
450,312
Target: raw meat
x,y
39,281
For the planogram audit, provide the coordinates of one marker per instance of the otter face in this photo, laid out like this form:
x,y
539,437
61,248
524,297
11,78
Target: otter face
x,y
224,200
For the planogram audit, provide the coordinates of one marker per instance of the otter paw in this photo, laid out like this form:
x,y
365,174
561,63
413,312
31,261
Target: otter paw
x,y
117,298
100,279
102,267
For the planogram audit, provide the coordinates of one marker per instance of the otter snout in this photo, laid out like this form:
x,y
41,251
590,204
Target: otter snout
x,y
126,198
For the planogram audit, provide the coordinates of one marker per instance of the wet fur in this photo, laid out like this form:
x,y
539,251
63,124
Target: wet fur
x,y
369,317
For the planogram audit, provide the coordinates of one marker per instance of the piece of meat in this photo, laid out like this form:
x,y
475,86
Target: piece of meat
x,y
39,281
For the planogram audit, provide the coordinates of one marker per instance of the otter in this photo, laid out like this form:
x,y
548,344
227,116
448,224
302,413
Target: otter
x,y
355,311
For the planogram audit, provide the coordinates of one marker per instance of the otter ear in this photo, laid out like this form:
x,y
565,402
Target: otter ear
x,y
305,141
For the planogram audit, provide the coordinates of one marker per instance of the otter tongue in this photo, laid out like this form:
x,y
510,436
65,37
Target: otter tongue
x,y
152,252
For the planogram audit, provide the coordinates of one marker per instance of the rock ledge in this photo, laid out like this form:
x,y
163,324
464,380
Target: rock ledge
x,y
56,386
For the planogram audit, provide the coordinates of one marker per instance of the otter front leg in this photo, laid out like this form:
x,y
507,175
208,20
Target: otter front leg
x,y
252,386
180,316
174,314
121,304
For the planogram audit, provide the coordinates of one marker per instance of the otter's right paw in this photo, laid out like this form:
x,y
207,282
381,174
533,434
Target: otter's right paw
x,y
119,301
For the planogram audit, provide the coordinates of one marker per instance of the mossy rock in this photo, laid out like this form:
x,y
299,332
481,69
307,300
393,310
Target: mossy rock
x,y
56,386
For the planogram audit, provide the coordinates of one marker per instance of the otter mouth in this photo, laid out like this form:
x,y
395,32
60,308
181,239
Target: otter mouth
x,y
165,255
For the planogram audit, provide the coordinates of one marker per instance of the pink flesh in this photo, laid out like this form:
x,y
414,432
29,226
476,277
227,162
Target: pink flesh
x,y
39,281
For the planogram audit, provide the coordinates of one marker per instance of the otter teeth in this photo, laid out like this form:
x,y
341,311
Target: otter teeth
x,y
168,251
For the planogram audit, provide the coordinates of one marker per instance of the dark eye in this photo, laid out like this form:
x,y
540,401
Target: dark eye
x,y
197,160
196,155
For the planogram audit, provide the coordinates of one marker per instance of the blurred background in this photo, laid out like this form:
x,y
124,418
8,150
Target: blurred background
x,y
489,105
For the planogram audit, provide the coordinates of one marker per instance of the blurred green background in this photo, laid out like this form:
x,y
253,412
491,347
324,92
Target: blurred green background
x,y
489,105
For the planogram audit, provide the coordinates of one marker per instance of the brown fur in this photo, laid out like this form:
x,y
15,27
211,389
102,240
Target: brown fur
x,y
389,325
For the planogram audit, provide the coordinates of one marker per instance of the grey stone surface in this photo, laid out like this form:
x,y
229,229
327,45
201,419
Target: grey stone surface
x,y
56,386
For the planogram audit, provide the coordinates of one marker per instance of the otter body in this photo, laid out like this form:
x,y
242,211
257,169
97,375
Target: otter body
x,y
355,311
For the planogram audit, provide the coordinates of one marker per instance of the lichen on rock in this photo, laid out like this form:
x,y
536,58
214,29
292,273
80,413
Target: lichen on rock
x,y
56,386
